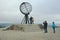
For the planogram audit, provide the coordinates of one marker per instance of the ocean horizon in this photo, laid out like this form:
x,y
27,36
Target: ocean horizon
x,y
8,24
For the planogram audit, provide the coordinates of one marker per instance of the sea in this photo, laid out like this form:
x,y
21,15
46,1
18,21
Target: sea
x,y
2,25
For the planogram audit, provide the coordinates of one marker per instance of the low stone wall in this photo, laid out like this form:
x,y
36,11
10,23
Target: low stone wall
x,y
26,27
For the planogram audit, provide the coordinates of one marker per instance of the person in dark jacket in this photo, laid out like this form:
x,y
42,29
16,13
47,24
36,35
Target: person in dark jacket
x,y
45,26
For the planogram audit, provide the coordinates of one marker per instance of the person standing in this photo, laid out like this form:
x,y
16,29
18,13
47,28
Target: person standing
x,y
45,26
53,26
31,20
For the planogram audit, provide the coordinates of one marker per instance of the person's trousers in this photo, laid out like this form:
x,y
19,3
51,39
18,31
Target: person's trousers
x,y
45,30
54,29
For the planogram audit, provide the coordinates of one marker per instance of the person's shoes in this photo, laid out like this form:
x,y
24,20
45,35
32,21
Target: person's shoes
x,y
53,32
45,32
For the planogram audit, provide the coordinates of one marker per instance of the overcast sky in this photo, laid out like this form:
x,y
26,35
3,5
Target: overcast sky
x,y
41,10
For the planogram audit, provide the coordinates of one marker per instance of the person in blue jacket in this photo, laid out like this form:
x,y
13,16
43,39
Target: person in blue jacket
x,y
53,26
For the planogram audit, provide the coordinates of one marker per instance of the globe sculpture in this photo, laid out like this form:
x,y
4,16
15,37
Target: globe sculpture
x,y
26,9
